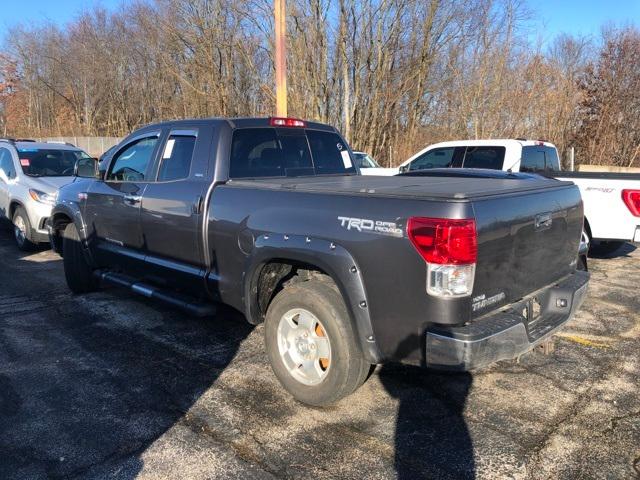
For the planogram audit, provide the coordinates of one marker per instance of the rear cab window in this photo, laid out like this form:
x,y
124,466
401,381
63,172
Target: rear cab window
x,y
284,152
552,162
539,158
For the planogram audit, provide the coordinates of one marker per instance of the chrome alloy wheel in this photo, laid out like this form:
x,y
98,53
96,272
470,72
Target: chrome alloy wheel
x,y
304,346
20,230
584,241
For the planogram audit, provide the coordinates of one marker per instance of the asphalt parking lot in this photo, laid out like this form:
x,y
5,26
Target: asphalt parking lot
x,y
109,385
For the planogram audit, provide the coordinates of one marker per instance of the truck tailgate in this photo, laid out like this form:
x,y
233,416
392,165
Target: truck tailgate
x,y
528,244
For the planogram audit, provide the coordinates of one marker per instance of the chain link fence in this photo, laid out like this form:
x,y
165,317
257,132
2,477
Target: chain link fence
x,y
94,146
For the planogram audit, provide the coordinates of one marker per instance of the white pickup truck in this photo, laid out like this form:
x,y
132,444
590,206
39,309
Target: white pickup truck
x,y
611,200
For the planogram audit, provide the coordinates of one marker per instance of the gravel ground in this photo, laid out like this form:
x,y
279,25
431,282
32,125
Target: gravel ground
x,y
109,385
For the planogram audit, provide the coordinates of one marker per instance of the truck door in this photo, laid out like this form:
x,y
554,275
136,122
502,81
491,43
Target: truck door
x,y
113,206
7,173
172,209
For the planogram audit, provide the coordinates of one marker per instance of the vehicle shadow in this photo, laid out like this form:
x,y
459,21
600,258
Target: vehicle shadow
x,y
623,251
88,384
431,439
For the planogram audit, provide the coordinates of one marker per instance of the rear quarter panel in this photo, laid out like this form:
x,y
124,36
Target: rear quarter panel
x,y
393,273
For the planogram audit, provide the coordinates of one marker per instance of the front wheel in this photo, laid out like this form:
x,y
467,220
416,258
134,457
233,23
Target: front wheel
x,y
77,271
311,343
22,230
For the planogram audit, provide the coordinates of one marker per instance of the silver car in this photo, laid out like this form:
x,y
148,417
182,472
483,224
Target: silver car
x,y
30,175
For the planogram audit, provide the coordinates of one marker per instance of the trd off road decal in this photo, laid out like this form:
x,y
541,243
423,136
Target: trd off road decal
x,y
481,301
371,226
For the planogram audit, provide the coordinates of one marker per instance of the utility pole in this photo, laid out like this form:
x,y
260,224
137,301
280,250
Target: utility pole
x,y
281,57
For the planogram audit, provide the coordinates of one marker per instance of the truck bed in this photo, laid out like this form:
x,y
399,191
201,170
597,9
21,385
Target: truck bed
x,y
436,184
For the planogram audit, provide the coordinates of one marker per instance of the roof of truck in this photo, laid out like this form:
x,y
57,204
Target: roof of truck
x,y
234,122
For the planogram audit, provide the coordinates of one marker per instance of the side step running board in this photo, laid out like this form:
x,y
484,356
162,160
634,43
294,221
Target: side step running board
x,y
183,302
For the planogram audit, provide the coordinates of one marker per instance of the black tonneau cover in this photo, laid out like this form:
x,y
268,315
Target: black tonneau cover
x,y
447,184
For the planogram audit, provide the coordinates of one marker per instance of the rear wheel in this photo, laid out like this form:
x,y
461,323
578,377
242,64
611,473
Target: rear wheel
x,y
22,231
77,271
311,343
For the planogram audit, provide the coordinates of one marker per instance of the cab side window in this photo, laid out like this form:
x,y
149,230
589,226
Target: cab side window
x,y
6,163
132,163
175,163
436,158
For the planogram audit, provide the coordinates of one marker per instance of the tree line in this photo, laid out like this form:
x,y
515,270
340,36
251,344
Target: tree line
x,y
392,75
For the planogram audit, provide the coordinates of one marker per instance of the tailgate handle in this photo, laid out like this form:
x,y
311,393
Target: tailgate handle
x,y
543,220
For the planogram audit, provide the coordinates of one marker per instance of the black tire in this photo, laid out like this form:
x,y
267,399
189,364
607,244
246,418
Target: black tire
x,y
77,271
348,368
22,231
606,248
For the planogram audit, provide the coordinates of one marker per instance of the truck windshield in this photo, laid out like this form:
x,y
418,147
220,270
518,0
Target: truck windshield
x,y
39,162
285,152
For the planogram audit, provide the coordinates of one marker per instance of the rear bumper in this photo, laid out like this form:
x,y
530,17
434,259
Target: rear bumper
x,y
508,333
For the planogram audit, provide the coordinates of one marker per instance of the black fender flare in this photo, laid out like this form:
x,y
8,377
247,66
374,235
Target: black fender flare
x,y
71,211
332,259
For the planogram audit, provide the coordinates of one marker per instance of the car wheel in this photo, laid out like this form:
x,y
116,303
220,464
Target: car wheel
x,y
22,230
311,343
77,271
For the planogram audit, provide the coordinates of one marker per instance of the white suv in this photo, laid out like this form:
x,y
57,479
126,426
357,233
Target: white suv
x,y
30,175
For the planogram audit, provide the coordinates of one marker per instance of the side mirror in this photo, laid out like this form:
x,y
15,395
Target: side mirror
x,y
86,168
3,176
404,168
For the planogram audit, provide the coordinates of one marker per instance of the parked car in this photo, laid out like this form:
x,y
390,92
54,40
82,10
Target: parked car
x,y
611,200
30,175
368,166
448,270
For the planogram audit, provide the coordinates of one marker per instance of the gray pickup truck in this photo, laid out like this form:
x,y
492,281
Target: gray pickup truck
x,y
451,270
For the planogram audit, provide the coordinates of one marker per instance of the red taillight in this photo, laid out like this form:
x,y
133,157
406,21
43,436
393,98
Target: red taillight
x,y
444,241
631,199
286,122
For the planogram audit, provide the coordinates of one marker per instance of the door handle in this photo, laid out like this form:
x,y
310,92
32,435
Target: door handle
x,y
132,199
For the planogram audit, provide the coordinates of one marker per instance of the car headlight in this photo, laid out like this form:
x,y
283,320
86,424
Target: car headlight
x,y
42,197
